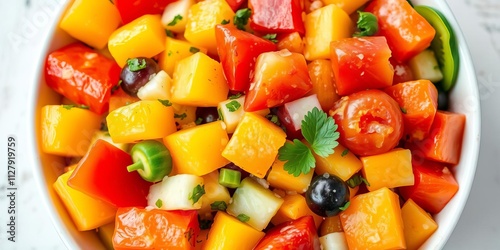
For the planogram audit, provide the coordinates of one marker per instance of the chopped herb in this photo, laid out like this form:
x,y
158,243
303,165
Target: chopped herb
x,y
243,217
189,234
346,205
367,24
218,205
235,96
159,203
198,121
403,110
320,131
194,50
271,37
241,18
205,224
198,191
181,116
356,180
169,53
225,21
135,64
165,103
116,87
221,117
274,119
233,105
70,106
83,106
345,152
177,18
169,33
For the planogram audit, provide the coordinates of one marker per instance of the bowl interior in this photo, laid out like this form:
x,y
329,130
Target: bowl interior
x,y
464,99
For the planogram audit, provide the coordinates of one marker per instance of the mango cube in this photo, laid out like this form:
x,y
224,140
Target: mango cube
x,y
176,50
349,6
418,225
391,169
198,150
214,193
199,81
294,206
278,177
341,163
254,144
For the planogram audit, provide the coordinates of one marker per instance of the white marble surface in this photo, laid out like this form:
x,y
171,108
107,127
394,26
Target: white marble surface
x,y
24,24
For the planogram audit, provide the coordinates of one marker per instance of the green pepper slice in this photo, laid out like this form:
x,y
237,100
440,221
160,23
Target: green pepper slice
x,y
152,160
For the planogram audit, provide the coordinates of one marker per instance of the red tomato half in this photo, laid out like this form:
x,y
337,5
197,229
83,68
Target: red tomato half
x,y
297,234
132,9
370,122
276,16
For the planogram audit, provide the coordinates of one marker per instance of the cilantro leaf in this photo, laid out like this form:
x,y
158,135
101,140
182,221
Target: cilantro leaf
x,y
298,156
177,18
241,18
136,64
233,105
367,24
243,217
198,121
169,33
180,116
165,103
159,203
271,37
356,180
346,205
320,131
198,191
345,152
218,205
225,21
235,96
194,50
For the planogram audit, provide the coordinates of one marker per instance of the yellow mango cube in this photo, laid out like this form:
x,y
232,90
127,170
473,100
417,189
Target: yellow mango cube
x,y
145,36
198,150
341,163
294,206
176,50
227,231
278,177
67,130
203,16
349,6
324,25
255,144
142,120
87,212
92,27
373,221
184,114
199,81
391,169
214,192
418,225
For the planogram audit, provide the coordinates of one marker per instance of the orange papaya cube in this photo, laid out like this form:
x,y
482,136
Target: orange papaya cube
x,y
342,163
92,27
254,144
323,82
349,6
119,99
418,225
128,40
198,150
141,120
373,221
199,81
391,169
87,212
227,231
294,206
200,26
176,50
292,42
67,130
278,177
324,25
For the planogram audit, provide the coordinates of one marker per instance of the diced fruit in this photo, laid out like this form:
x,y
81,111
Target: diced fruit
x,y
175,15
373,221
157,88
282,16
103,135
106,234
119,99
198,150
323,81
128,40
184,115
176,50
391,169
201,239
132,9
67,130
141,120
178,192
292,113
334,241
254,144
294,206
342,163
330,225
349,6
254,204
425,66
327,195
402,72
299,233
194,77
87,212
324,25
278,177
227,231
292,42
215,195
232,111
418,225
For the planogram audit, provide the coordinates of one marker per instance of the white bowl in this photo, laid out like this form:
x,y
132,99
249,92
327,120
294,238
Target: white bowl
x,y
464,99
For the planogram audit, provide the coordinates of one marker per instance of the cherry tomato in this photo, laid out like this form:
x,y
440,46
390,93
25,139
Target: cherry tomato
x,y
370,122
296,234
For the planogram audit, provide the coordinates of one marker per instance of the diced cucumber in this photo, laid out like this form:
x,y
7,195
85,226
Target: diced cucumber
x,y
179,192
444,45
157,88
333,241
425,66
256,202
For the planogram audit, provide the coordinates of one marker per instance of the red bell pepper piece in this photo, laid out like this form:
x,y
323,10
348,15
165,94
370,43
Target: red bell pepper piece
x,y
132,9
238,51
235,4
402,72
276,16
296,234
102,173
434,185
82,75
137,228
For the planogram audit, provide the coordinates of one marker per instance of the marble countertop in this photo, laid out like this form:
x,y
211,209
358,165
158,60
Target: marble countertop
x,y
25,22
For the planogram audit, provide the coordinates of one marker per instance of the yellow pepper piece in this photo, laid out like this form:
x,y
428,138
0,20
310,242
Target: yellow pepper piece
x,y
418,225
203,16
341,163
176,50
255,144
294,206
278,177
141,120
228,233
391,169
199,81
67,130
198,150
145,36
349,6
87,212
92,27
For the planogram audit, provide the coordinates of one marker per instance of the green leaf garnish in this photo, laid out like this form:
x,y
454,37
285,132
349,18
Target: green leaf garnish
x,y
241,18
221,116
243,217
235,96
345,152
198,121
198,191
159,203
193,50
367,24
271,37
70,106
136,64
356,180
165,103
177,18
233,105
346,205
180,116
169,33
299,158
225,21
218,205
